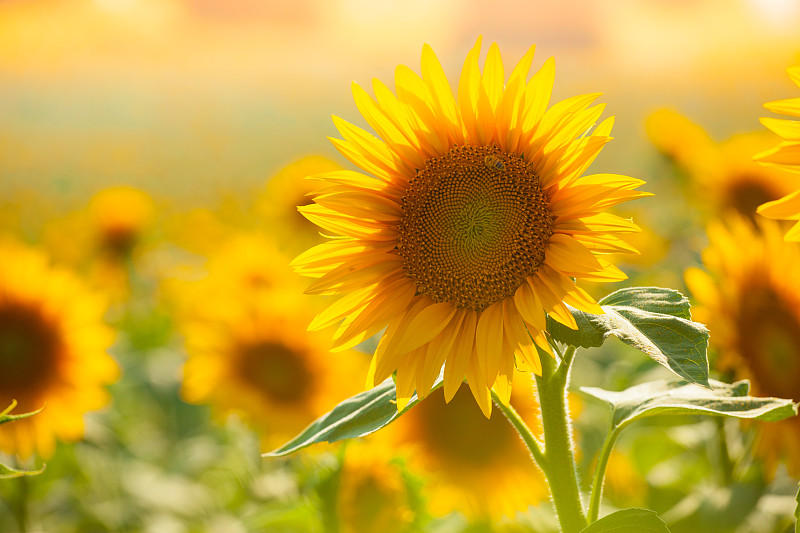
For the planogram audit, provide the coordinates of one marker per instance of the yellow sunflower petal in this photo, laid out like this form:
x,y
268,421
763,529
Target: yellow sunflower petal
x,y
505,377
434,77
456,366
489,340
423,327
468,89
786,208
436,352
477,384
787,129
523,345
551,299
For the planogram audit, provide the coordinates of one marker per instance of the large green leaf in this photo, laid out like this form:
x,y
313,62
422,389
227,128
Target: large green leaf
x,y
360,415
678,397
651,319
6,472
628,521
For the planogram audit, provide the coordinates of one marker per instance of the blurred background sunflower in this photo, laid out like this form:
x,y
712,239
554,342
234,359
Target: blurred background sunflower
x,y
53,351
750,300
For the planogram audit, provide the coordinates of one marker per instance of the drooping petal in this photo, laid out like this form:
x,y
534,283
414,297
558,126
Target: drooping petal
x,y
456,366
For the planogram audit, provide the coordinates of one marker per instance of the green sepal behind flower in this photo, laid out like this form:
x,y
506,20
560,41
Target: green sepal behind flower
x,y
6,472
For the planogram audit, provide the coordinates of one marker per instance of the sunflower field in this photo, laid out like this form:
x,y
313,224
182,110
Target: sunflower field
x,y
540,271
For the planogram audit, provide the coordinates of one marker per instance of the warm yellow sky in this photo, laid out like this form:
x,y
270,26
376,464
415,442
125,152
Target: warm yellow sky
x,y
197,95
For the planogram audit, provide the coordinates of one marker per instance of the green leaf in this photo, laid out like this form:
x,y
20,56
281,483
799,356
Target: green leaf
x,y
652,299
357,416
628,521
651,319
677,397
6,417
6,472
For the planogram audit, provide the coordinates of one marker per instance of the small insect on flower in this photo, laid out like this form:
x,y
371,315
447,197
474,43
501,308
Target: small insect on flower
x,y
494,162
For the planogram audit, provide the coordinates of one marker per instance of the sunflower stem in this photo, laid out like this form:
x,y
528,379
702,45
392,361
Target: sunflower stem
x,y
560,468
21,507
524,431
725,462
600,472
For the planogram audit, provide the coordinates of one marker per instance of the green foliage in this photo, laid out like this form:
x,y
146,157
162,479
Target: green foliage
x,y
360,415
6,472
677,397
628,521
797,512
653,320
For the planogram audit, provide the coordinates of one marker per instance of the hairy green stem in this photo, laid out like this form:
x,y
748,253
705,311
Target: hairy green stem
x,y
600,472
725,461
559,459
523,430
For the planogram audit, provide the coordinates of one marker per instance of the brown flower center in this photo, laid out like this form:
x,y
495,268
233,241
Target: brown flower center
x,y
769,329
459,432
277,371
29,350
474,225
747,193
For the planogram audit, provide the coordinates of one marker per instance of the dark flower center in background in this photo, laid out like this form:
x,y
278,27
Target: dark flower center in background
x,y
276,370
29,349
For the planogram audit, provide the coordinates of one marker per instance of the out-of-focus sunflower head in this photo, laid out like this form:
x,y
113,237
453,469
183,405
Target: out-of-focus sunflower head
x,y
255,358
677,137
653,247
53,344
749,298
198,230
376,491
245,266
623,484
284,192
461,453
119,217
722,176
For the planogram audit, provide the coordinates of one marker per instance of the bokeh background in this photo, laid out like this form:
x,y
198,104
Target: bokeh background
x,y
155,148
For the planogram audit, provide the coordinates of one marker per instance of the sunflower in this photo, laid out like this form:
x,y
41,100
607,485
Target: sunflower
x,y
53,346
104,239
284,192
463,452
785,155
252,356
113,223
623,485
120,216
375,492
722,175
242,263
751,303
471,225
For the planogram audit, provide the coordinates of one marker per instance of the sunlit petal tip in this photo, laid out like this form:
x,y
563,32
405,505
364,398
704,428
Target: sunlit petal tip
x,y
402,402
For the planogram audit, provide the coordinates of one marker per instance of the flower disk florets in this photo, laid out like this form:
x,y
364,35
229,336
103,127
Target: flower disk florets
x,y
475,223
